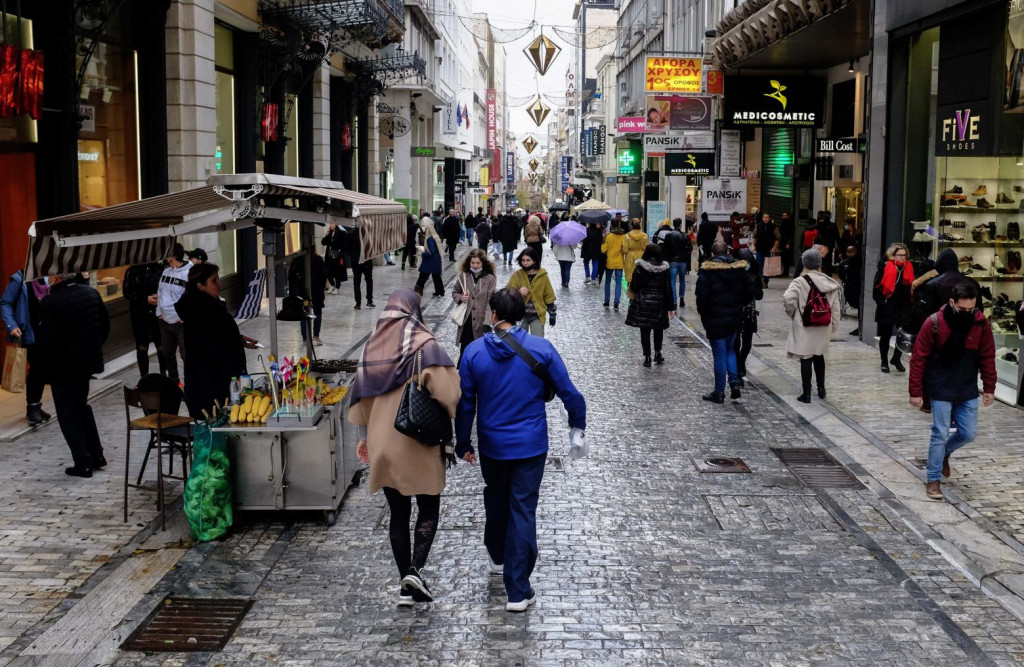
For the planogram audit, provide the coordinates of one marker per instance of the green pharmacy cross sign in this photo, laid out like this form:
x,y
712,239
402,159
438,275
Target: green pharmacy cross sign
x,y
628,161
423,151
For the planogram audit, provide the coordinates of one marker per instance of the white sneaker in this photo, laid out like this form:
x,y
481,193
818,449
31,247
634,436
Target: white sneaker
x,y
495,568
523,605
405,598
317,341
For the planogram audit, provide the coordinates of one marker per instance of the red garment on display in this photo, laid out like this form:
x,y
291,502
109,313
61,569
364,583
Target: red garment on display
x,y
268,122
9,60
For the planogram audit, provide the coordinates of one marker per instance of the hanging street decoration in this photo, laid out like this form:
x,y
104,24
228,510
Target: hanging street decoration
x,y
542,52
529,143
394,126
538,111
534,163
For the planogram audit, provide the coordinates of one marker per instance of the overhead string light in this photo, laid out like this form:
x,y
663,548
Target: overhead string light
x,y
592,39
485,31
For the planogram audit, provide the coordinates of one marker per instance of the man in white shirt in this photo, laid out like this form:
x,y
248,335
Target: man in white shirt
x,y
172,286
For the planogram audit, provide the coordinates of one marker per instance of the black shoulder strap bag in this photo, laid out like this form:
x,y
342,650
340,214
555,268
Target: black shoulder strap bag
x,y
539,369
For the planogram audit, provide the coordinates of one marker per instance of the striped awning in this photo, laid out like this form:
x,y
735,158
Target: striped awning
x,y
144,231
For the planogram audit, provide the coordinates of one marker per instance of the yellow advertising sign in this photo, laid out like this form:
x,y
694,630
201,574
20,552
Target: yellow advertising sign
x,y
673,75
485,176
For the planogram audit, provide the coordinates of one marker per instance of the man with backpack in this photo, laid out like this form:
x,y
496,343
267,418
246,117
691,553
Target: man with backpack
x,y
676,249
952,347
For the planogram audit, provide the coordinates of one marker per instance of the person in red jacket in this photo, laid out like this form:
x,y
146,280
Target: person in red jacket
x,y
953,346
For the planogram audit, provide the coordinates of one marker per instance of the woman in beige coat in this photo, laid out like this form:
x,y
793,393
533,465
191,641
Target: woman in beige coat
x,y
810,344
474,287
399,346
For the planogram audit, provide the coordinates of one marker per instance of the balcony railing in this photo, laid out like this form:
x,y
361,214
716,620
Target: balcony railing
x,y
370,20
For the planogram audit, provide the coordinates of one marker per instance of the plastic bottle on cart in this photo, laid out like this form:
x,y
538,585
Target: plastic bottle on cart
x,y
246,382
235,391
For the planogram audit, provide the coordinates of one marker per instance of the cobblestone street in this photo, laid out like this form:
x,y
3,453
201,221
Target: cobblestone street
x,y
643,558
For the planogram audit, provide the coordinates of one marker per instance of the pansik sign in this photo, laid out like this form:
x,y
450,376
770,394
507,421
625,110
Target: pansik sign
x,y
721,197
492,119
673,75
656,145
764,101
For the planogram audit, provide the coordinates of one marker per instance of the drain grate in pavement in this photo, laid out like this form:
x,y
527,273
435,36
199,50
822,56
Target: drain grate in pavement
x,y
188,624
770,512
721,464
554,464
686,341
764,345
816,469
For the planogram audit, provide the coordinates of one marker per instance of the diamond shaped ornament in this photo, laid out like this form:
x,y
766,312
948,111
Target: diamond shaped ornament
x,y
538,111
534,163
529,143
542,52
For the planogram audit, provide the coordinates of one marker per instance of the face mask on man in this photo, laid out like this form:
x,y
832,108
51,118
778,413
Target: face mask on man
x,y
963,315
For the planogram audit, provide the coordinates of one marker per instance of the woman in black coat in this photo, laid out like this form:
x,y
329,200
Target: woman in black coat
x,y
591,252
650,302
333,243
297,286
213,344
748,327
893,294
511,232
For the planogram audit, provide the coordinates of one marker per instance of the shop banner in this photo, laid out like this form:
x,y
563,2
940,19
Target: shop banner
x,y
963,129
674,75
764,101
691,113
721,197
485,176
1015,57
714,82
729,153
510,167
496,165
599,140
448,120
690,164
702,140
652,185
656,145
657,211
492,119
565,172
628,124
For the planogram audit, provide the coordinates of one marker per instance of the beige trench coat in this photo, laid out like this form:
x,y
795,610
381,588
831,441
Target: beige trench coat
x,y
804,341
397,461
479,302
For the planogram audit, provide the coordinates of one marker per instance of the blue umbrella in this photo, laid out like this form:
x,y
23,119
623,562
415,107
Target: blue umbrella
x,y
569,232
593,216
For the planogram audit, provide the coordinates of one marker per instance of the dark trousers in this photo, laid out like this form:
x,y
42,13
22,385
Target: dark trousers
x,y
565,266
452,243
538,246
510,528
34,381
318,320
172,337
817,362
334,272
645,339
409,253
744,341
885,332
428,510
71,399
364,271
145,330
438,283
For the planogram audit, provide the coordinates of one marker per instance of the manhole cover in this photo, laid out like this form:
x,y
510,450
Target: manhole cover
x,y
555,464
721,464
188,624
816,469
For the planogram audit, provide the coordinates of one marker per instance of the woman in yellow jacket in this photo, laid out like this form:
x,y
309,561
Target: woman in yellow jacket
x,y
533,283
613,263
633,247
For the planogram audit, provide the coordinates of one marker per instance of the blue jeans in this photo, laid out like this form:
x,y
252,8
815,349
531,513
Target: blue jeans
x,y
469,235
760,256
508,254
610,276
942,443
677,269
591,267
724,350
511,491
566,268
462,234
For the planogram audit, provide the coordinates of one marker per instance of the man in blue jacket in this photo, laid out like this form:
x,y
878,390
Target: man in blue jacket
x,y
507,398
18,309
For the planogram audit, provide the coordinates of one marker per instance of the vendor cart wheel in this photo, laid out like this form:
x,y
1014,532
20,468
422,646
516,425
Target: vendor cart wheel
x,y
330,516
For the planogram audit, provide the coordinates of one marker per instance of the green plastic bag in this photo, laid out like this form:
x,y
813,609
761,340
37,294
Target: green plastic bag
x,y
208,490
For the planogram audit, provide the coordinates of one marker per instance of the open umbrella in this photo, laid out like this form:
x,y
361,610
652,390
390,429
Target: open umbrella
x,y
593,216
613,211
558,207
592,205
569,232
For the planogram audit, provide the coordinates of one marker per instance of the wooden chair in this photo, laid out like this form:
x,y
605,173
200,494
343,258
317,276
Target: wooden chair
x,y
154,421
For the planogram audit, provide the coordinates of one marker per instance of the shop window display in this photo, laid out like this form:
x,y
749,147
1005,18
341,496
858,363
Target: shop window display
x,y
981,207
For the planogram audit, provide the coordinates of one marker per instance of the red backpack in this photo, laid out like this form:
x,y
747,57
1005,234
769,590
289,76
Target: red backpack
x,y
818,311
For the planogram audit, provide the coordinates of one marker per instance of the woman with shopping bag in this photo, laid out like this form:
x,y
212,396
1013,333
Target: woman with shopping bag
x,y
18,307
472,295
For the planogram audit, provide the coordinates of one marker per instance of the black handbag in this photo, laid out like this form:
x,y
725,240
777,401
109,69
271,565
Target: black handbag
x,y
293,309
420,415
905,340
539,369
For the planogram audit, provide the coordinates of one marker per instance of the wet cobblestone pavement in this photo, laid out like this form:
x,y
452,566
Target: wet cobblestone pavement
x,y
643,559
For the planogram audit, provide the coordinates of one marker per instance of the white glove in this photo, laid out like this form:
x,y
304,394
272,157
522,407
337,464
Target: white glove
x,y
578,447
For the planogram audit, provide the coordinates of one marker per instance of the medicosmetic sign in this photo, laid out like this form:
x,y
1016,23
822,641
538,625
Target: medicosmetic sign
x,y
673,75
767,101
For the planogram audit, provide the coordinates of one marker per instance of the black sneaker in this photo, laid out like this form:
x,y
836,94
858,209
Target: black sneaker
x,y
35,415
735,392
616,308
713,397
682,303
414,580
370,303
357,307
405,597
101,463
658,358
647,362
605,304
76,471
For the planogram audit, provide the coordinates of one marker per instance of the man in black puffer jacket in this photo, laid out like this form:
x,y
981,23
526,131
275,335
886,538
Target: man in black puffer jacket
x,y
723,289
73,325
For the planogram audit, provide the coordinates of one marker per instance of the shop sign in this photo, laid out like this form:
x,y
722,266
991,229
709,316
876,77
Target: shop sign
x,y
674,75
87,113
702,140
423,151
674,112
472,184
627,179
656,145
609,180
764,101
652,185
628,124
656,212
492,119
729,153
963,129
449,122
496,165
714,82
565,172
721,197
689,164
485,176
599,140
837,146
629,161
479,191
510,167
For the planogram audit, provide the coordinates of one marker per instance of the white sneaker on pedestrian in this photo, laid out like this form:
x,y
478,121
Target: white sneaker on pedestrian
x,y
317,341
587,281
495,567
523,605
405,598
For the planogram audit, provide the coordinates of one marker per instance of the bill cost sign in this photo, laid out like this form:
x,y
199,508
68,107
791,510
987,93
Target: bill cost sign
x,y
673,75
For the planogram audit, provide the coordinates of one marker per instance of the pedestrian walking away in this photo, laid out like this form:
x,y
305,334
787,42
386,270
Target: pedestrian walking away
x,y
533,234
511,232
707,233
787,230
952,348
566,256
767,239
483,233
723,289
430,258
333,243
73,325
651,303
590,251
615,259
171,287
748,325
297,286
471,224
409,250
677,251
400,346
533,283
893,295
451,230
361,271
474,287
633,247
809,336
141,280
506,397
19,307
213,343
